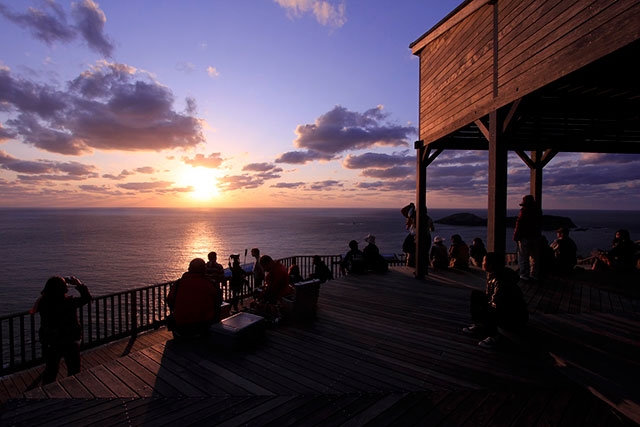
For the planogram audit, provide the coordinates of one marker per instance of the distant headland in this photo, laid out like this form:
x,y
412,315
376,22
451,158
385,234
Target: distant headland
x,y
549,222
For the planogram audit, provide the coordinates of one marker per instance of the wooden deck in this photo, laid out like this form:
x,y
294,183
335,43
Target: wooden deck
x,y
384,350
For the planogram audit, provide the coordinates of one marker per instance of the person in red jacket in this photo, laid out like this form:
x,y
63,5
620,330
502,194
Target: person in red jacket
x,y
276,285
194,301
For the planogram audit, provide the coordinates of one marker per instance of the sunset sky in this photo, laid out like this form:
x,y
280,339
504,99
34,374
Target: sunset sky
x,y
241,103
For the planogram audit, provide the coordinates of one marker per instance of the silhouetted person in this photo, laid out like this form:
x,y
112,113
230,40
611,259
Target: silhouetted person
x,y
477,251
237,281
458,253
500,305
60,330
565,252
526,234
373,261
215,270
258,271
353,261
621,256
439,255
320,270
194,301
294,272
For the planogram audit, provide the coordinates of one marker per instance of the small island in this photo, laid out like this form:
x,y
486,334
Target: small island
x,y
549,222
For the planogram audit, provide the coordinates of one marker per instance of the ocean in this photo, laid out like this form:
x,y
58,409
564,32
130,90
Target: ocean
x,y
114,249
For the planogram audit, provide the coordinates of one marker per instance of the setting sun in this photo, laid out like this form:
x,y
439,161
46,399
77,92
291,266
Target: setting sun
x,y
203,182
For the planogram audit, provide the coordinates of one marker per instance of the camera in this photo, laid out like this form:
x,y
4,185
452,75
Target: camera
x,y
235,257
69,280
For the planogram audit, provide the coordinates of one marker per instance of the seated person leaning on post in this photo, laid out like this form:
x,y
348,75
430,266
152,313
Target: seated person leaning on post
x,y
194,301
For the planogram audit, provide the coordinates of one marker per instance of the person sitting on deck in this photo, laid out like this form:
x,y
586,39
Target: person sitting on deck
x,y
353,261
321,271
500,305
438,256
477,251
294,272
565,252
194,301
276,285
458,253
373,261
621,256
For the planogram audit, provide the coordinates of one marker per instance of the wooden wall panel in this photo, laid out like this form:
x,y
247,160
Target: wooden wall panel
x,y
539,41
455,72
556,39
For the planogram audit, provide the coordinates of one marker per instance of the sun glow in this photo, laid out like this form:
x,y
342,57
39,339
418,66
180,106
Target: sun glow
x,y
203,182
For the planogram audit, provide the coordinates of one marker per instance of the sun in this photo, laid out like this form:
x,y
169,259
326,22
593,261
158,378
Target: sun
x,y
203,182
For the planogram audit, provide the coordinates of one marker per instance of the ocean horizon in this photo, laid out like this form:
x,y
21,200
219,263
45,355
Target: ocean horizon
x,y
115,249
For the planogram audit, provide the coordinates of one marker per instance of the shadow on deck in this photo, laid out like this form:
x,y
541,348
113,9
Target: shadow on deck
x,y
383,350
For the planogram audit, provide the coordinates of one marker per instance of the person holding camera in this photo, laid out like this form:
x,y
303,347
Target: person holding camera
x,y
60,330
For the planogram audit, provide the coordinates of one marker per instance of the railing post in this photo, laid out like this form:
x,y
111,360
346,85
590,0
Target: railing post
x,y
134,314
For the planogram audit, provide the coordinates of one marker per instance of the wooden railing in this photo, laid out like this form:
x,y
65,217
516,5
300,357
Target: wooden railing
x,y
118,315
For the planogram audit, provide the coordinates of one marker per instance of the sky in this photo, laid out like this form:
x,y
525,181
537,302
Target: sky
x,y
242,103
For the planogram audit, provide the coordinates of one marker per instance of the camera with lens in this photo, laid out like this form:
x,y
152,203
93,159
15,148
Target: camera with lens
x,y
235,257
69,280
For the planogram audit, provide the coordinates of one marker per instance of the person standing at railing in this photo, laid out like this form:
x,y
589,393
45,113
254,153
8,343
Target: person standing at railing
x,y
215,270
258,271
60,330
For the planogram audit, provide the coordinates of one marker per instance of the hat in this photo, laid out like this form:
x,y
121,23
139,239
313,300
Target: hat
x,y
528,200
438,239
370,238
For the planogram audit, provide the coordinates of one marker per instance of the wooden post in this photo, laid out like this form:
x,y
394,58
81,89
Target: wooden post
x,y
422,257
497,186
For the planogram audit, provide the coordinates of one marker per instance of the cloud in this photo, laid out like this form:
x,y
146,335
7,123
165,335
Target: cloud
x,y
46,169
326,185
340,130
263,172
212,161
146,186
212,72
108,107
49,24
377,160
326,13
302,157
90,21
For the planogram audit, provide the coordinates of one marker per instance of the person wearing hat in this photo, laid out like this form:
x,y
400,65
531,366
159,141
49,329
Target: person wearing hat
x,y
527,234
565,251
373,261
439,256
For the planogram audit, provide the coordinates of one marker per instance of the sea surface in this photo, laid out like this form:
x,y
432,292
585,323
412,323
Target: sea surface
x,y
123,248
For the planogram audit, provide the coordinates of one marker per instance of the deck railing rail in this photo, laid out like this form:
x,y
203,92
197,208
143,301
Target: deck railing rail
x,y
114,316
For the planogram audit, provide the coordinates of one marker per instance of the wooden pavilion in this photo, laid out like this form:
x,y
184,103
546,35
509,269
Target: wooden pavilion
x,y
537,78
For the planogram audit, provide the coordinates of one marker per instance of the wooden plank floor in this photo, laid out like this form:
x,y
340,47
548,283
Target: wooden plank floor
x,y
384,350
